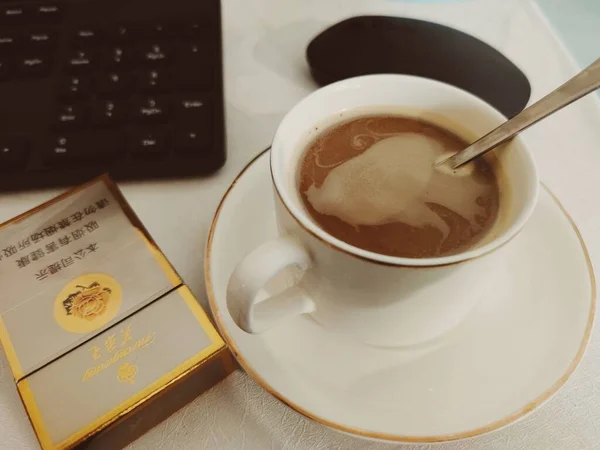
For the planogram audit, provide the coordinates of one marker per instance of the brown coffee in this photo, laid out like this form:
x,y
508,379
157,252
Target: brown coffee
x,y
372,183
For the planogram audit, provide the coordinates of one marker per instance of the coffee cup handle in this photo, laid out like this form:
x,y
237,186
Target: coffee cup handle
x,y
253,272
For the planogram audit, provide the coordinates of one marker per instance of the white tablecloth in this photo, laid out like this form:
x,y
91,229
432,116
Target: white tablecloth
x,y
265,74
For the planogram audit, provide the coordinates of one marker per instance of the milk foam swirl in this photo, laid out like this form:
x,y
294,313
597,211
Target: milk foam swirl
x,y
394,180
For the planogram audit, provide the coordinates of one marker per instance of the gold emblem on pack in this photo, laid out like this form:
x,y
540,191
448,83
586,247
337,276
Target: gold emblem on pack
x,y
127,373
87,303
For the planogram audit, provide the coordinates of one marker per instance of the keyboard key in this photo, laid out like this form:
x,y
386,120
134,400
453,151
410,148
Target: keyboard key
x,y
154,30
69,116
149,142
34,66
8,43
192,107
193,53
49,13
150,109
80,147
84,36
155,54
108,112
154,80
14,15
13,153
118,57
80,61
195,28
119,33
41,40
163,29
62,149
193,139
74,87
111,82
192,70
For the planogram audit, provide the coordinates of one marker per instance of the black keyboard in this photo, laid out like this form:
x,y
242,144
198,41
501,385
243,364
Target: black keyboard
x,y
129,87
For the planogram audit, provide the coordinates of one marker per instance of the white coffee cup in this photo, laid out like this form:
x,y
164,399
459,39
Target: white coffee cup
x,y
377,299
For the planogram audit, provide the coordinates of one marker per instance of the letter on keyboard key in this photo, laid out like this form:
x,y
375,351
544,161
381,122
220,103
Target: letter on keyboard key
x,y
149,142
154,80
13,153
194,53
49,13
14,15
164,29
195,29
118,57
86,36
34,66
69,148
192,71
80,61
155,30
192,140
119,33
69,116
61,149
108,112
192,107
74,87
150,109
41,41
8,43
111,82
155,55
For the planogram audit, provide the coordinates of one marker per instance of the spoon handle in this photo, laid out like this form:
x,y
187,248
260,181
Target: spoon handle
x,y
581,84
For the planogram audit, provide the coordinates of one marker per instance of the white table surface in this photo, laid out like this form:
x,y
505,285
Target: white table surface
x,y
577,23
265,74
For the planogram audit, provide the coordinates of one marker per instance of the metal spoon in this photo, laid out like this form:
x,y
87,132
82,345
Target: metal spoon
x,y
583,83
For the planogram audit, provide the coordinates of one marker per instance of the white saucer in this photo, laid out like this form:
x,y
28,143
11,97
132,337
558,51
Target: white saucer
x,y
515,350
